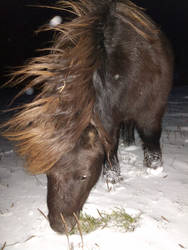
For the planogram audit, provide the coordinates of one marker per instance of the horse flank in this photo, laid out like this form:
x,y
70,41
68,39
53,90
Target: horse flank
x,y
52,124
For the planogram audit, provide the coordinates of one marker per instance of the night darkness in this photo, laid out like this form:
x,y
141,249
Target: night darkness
x,y
18,21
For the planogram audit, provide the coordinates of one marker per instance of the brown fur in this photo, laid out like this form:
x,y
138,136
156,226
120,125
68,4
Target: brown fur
x,y
49,127
109,68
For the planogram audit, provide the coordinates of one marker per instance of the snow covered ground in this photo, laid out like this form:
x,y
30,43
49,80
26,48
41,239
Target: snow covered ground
x,y
161,201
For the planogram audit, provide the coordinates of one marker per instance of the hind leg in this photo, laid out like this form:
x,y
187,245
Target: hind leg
x,y
127,133
151,145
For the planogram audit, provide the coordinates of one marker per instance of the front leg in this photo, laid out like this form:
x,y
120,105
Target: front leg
x,y
111,170
111,167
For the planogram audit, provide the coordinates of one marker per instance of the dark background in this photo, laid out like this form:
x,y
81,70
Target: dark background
x,y
19,20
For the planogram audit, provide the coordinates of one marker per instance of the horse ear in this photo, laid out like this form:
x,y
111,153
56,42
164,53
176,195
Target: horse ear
x,y
89,137
92,136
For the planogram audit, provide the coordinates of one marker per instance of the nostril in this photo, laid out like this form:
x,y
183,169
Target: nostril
x,y
68,226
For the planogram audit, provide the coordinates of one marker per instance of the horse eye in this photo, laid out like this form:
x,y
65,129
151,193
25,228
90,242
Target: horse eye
x,y
83,177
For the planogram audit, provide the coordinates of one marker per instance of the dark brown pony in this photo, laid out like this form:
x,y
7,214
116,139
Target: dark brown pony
x,y
110,67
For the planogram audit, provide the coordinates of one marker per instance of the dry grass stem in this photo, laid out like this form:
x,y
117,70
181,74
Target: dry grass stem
x,y
181,245
30,237
165,219
43,214
66,231
80,230
4,245
108,186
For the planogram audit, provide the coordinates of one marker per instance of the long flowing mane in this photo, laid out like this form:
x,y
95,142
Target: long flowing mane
x,y
50,126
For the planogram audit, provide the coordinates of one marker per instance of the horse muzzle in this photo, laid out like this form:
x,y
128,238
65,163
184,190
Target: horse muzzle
x,y
62,224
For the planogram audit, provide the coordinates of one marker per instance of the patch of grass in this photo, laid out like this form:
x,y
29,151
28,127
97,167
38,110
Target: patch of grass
x,y
117,219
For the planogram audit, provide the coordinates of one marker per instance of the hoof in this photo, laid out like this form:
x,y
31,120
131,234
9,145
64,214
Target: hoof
x,y
112,177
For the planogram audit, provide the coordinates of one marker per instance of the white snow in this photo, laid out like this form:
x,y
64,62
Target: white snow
x,y
160,200
29,91
56,20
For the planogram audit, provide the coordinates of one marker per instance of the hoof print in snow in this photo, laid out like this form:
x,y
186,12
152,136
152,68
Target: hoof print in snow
x,y
155,171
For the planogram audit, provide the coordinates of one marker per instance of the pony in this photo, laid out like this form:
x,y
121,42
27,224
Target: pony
x,y
108,72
